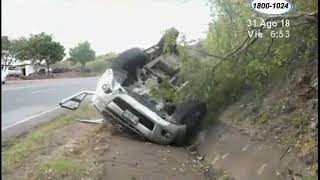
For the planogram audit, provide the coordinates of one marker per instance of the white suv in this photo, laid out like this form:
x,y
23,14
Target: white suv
x,y
133,111
123,99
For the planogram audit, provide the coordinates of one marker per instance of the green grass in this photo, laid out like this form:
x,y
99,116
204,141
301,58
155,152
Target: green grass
x,y
299,120
310,145
289,140
98,65
101,63
60,168
65,64
264,117
310,178
22,147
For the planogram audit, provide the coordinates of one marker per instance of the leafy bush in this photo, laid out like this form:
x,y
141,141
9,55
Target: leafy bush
x,y
170,38
98,66
164,91
238,63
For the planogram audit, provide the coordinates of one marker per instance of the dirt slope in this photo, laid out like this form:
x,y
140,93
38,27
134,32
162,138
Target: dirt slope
x,y
244,157
103,153
274,136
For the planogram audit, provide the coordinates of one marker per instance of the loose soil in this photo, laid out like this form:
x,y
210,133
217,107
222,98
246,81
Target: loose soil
x,y
105,153
274,136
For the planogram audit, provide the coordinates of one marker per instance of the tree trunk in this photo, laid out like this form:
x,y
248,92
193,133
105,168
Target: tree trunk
x,y
48,69
34,62
6,63
83,67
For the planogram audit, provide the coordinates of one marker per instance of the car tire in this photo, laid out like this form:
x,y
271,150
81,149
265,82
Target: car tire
x,y
189,113
129,61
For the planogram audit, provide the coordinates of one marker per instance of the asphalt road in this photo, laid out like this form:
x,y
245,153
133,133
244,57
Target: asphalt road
x,y
25,100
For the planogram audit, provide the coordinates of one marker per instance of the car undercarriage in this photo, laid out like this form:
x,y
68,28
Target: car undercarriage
x,y
123,98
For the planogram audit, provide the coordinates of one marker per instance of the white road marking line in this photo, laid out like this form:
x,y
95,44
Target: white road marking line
x,y
226,155
43,90
261,169
29,118
10,89
35,92
52,89
245,148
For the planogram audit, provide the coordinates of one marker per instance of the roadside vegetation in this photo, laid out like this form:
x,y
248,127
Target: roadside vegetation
x,y
98,65
229,64
39,48
82,54
46,53
65,149
101,63
236,63
265,84
59,168
23,148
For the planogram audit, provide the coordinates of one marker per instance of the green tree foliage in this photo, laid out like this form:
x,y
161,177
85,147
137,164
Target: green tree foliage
x,y
52,52
238,62
82,54
101,63
39,47
168,42
5,45
7,52
21,48
164,91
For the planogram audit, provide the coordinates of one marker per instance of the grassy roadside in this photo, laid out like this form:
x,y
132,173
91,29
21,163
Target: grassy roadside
x,y
97,66
59,168
21,148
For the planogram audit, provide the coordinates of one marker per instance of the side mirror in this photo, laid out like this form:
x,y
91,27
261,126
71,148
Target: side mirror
x,y
74,101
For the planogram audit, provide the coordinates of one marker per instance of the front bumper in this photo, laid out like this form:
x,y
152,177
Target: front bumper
x,y
161,131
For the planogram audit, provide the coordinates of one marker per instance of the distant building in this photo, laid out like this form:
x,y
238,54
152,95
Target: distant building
x,y
27,67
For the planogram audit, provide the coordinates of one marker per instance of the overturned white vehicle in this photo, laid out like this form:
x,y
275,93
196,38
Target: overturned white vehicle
x,y
122,98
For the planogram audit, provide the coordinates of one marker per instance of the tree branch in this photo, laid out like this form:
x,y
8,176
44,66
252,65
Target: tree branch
x,y
237,49
211,55
310,17
268,50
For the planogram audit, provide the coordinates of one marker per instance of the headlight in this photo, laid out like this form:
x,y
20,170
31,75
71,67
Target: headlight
x,y
106,89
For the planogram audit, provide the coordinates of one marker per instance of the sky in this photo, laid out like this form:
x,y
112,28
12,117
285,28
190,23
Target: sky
x,y
108,25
